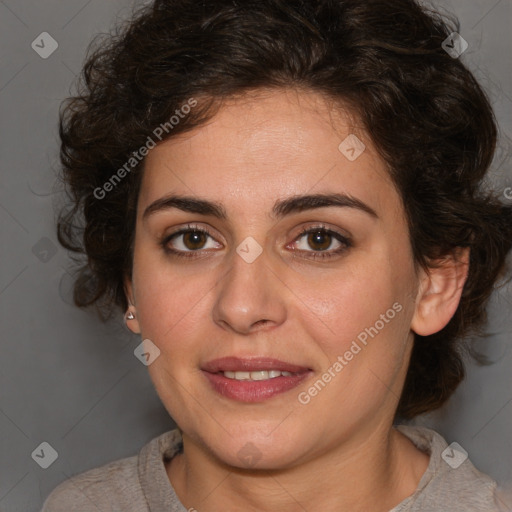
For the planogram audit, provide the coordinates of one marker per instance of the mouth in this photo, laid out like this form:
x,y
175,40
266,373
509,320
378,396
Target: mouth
x,y
253,379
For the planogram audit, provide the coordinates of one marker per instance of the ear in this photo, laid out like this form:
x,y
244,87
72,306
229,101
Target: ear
x,y
439,292
133,325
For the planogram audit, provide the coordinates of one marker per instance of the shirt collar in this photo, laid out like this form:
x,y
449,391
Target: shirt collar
x,y
158,490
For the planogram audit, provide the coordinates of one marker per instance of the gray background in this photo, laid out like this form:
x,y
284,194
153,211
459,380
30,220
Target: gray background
x,y
68,379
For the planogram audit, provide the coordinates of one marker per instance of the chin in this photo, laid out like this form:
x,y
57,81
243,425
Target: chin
x,y
251,448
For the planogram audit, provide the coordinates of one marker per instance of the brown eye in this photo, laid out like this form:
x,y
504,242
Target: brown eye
x,y
189,242
194,240
321,243
319,240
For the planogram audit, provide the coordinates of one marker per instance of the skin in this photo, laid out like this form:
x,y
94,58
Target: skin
x,y
338,452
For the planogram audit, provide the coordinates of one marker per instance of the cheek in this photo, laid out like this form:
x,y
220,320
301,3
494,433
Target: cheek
x,y
364,317
363,351
169,296
347,302
170,310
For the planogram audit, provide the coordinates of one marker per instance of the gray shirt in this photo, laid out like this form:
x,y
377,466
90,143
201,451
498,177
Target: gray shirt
x,y
140,483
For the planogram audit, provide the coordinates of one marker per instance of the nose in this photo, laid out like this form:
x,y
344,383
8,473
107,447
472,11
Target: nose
x,y
250,297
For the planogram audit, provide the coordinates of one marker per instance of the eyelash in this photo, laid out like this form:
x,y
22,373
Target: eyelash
x,y
346,243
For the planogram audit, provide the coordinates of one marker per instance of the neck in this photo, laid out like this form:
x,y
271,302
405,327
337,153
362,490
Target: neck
x,y
374,472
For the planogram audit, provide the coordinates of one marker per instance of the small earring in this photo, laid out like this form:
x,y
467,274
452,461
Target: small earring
x,y
129,316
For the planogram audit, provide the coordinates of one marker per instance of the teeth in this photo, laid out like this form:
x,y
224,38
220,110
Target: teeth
x,y
259,375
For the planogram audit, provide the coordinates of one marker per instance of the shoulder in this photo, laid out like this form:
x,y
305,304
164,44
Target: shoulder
x,y
451,481
100,488
118,486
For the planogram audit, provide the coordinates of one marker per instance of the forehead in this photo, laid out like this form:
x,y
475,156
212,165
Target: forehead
x,y
269,146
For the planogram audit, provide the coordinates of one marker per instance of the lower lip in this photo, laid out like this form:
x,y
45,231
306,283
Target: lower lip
x,y
253,390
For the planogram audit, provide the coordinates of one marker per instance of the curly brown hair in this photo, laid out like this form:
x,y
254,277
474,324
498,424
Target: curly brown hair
x,y
423,109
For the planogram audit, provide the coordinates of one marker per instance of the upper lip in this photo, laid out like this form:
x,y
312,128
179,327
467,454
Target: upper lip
x,y
252,364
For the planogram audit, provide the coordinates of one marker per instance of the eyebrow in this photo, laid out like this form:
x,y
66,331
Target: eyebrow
x,y
282,208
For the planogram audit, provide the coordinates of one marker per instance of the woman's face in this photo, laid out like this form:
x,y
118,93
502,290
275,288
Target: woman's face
x,y
257,290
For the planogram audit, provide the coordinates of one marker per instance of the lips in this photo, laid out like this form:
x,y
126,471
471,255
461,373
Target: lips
x,y
235,364
252,390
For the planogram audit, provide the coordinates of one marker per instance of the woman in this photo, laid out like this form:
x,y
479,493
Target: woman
x,y
285,199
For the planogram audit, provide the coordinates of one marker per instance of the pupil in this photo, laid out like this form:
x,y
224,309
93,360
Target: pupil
x,y
316,238
194,238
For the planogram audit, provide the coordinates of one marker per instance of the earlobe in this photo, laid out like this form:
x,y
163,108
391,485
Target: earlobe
x,y
439,292
130,316
131,320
